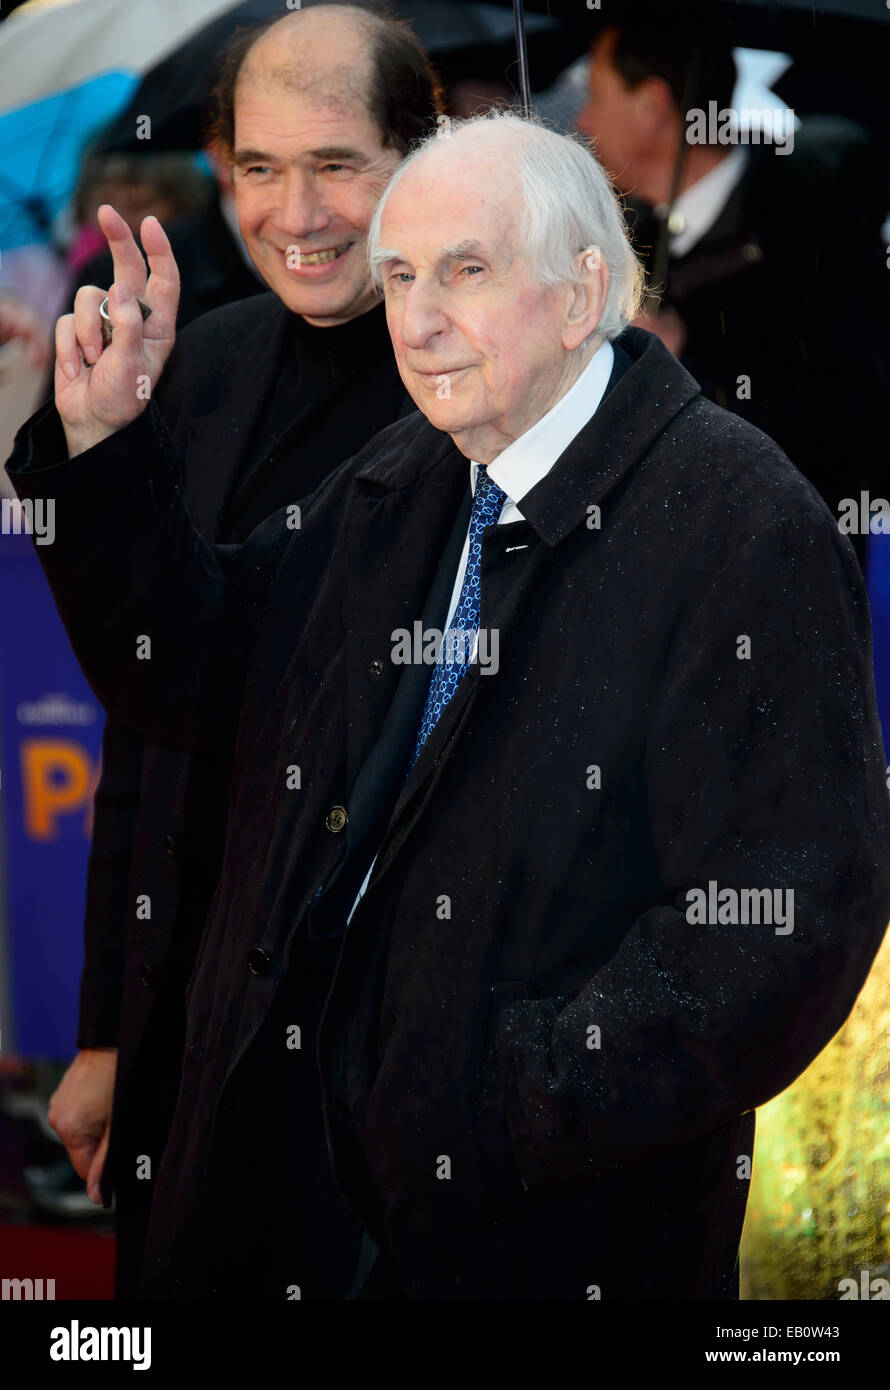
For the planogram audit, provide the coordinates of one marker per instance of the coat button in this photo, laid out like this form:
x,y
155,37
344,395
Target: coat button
x,y
336,819
376,667
168,843
258,961
147,976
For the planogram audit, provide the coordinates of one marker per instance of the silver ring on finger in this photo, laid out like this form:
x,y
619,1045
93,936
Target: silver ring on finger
x,y
105,319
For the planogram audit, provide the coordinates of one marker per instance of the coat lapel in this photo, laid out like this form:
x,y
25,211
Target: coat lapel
x,y
396,532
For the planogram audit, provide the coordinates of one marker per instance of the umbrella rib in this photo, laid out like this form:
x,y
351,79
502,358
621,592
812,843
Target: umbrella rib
x,y
521,56
66,97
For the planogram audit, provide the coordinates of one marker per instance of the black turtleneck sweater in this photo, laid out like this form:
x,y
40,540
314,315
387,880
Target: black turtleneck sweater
x,y
334,384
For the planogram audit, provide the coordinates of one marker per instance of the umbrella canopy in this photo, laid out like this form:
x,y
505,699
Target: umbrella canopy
x,y
68,68
844,29
56,45
463,38
41,147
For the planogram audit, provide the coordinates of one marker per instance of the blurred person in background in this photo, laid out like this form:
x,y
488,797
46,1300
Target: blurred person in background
x,y
774,291
166,186
26,356
264,398
169,186
20,324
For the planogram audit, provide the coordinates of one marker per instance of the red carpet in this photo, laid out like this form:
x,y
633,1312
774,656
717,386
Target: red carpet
x,y
81,1262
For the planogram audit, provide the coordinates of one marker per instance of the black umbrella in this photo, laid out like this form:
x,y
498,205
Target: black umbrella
x,y
477,39
849,32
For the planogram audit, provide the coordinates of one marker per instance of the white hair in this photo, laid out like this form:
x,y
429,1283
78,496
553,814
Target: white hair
x,y
569,206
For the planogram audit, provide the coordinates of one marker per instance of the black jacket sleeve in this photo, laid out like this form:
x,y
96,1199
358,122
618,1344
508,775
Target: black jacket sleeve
x,y
108,904
162,623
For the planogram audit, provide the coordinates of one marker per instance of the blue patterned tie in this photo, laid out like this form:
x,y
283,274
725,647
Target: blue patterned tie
x,y
488,502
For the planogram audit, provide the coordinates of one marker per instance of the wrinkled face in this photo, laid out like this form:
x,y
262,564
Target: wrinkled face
x,y
477,339
613,116
307,176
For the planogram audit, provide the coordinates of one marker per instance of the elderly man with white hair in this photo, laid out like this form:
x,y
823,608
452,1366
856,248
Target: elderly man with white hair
x,y
593,894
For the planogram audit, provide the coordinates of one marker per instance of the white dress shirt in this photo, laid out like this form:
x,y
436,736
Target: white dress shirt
x,y
530,458
698,206
526,461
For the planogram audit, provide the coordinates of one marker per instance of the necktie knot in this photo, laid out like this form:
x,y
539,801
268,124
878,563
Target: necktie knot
x,y
488,499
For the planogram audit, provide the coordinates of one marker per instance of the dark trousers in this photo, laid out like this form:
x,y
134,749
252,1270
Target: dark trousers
x,y
142,1127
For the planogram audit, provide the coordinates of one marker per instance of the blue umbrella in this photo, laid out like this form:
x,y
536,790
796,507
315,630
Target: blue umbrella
x,y
41,148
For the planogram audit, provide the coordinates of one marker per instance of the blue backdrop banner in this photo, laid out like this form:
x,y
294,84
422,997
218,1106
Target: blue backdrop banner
x,y
49,760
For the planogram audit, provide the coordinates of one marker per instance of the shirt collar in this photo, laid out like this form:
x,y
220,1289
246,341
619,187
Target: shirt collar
x,y
701,204
519,467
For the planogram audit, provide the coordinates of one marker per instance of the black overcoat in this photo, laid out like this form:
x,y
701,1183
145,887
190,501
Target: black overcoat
x,y
539,1075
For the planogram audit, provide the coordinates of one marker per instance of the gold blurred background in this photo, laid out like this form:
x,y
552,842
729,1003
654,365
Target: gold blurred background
x,y
819,1205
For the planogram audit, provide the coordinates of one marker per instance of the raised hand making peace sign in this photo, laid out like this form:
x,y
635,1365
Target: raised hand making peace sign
x,y
98,392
